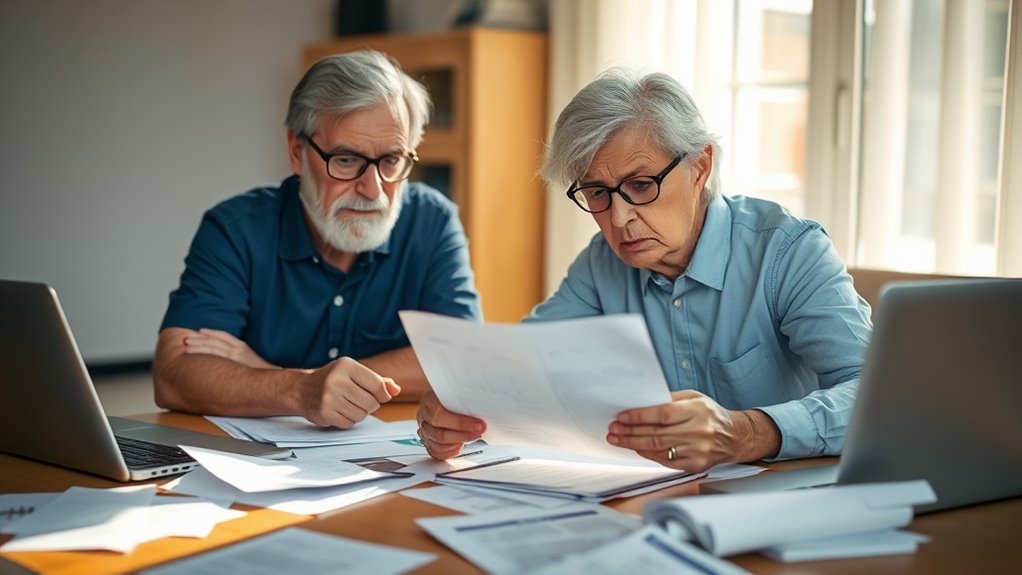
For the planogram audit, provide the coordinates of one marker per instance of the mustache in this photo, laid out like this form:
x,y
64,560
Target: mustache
x,y
360,203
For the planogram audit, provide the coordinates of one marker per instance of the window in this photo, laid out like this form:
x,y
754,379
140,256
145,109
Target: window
x,y
933,85
752,85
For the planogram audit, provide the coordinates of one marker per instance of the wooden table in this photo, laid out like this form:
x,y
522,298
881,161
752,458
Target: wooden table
x,y
978,539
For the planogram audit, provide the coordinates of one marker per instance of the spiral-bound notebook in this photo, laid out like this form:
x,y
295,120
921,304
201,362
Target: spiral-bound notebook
x,y
49,409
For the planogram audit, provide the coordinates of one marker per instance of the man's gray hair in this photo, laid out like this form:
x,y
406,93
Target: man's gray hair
x,y
621,98
345,83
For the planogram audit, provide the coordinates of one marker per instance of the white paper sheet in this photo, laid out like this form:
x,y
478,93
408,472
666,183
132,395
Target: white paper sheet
x,y
312,501
82,506
522,540
547,384
295,550
482,500
648,550
83,518
255,474
294,431
356,451
733,471
117,520
16,505
871,544
429,468
733,523
192,517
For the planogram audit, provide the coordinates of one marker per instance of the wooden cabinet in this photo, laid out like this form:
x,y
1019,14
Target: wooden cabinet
x,y
483,147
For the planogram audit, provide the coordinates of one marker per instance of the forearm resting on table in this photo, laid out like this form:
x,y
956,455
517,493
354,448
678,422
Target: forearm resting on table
x,y
206,384
403,367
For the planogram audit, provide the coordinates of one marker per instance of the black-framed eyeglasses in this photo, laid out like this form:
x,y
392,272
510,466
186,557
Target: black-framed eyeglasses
x,y
347,166
637,190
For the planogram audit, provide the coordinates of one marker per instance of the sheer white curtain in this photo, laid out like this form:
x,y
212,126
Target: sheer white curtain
x,y
935,135
590,36
1009,227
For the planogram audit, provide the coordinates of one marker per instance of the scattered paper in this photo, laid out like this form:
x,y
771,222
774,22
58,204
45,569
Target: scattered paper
x,y
15,505
310,501
83,518
361,451
114,520
522,540
295,431
429,468
177,516
734,523
255,474
548,384
482,500
295,550
648,550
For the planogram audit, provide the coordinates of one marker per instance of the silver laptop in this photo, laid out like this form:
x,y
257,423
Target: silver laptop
x,y
939,399
49,409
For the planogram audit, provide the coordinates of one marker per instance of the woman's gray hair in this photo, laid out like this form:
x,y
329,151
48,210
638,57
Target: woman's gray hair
x,y
621,98
345,83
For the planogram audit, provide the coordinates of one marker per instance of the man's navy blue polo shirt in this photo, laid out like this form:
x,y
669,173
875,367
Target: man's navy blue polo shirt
x,y
253,272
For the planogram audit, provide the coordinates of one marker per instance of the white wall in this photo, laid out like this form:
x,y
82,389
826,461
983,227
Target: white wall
x,y
122,121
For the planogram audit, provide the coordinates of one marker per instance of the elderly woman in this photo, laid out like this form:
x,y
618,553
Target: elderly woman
x,y
754,319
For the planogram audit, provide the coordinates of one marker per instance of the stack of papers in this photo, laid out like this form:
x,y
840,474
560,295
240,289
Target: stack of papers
x,y
592,481
295,431
469,498
806,524
112,519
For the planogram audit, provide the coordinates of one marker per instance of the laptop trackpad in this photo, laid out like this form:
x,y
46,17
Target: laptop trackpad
x,y
775,480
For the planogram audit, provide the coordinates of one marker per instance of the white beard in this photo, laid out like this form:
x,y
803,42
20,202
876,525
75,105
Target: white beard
x,y
355,234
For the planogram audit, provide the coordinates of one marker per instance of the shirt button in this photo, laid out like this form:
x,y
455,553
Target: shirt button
x,y
677,302
333,353
338,300
315,259
684,363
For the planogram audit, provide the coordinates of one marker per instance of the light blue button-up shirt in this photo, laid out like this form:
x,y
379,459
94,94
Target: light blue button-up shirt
x,y
765,317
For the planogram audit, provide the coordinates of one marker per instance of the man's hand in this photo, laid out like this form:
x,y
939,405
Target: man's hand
x,y
444,432
694,433
343,392
225,345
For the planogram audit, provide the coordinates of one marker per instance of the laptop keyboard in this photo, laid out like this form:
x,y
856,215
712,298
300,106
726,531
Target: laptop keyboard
x,y
143,454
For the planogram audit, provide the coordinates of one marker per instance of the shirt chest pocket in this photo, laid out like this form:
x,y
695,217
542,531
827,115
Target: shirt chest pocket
x,y
750,380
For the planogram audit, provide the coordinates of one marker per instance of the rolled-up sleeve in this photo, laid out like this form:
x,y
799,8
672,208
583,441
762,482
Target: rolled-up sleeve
x,y
828,325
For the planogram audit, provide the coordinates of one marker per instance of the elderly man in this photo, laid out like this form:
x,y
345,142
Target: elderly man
x,y
754,319
284,285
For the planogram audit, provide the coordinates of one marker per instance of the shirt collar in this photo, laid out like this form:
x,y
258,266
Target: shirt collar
x,y
296,237
709,260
